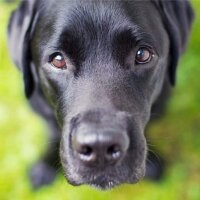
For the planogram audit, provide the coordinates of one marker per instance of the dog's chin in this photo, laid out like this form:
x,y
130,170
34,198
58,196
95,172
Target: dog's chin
x,y
104,184
105,181
109,183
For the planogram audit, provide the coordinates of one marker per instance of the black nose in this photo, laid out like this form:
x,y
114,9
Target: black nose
x,y
100,147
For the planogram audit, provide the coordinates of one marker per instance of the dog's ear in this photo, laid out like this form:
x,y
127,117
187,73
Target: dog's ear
x,y
177,17
20,30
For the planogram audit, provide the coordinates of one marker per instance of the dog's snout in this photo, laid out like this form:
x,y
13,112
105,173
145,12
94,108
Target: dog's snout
x,y
100,147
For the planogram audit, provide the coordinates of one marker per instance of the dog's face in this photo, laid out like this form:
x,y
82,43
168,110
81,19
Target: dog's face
x,y
101,66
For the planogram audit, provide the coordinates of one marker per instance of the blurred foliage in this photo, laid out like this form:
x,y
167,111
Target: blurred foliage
x,y
176,135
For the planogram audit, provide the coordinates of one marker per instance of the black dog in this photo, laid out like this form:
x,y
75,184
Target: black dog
x,y
96,71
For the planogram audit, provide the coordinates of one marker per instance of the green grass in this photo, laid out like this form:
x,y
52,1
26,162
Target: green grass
x,y
177,136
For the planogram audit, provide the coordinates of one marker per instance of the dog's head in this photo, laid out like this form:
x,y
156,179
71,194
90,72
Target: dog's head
x,y
101,66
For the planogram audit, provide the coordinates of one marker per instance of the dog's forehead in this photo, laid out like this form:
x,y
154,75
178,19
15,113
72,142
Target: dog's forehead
x,y
98,15
98,10
86,11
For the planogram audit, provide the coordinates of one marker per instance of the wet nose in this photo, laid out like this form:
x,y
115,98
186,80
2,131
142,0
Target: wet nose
x,y
100,147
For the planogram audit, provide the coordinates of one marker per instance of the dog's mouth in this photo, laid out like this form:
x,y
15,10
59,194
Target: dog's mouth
x,y
104,181
104,178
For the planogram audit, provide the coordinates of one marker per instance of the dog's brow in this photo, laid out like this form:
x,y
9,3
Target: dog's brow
x,y
135,36
145,39
141,36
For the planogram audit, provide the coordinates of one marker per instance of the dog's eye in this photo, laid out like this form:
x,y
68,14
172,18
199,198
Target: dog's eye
x,y
143,55
58,61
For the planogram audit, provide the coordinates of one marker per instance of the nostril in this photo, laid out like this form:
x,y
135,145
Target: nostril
x,y
114,151
86,150
86,154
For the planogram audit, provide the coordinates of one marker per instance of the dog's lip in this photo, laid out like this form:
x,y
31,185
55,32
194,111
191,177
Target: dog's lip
x,y
104,184
110,183
103,180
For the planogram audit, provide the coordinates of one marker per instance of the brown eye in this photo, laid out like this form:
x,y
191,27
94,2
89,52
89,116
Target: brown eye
x,y
58,61
143,55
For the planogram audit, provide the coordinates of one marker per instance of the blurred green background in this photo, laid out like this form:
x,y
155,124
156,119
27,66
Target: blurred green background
x,y
23,136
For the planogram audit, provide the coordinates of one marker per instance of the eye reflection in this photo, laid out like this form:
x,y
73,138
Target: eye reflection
x,y
143,55
58,61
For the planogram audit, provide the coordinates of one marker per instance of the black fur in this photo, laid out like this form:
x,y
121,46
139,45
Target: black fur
x,y
99,40
177,18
